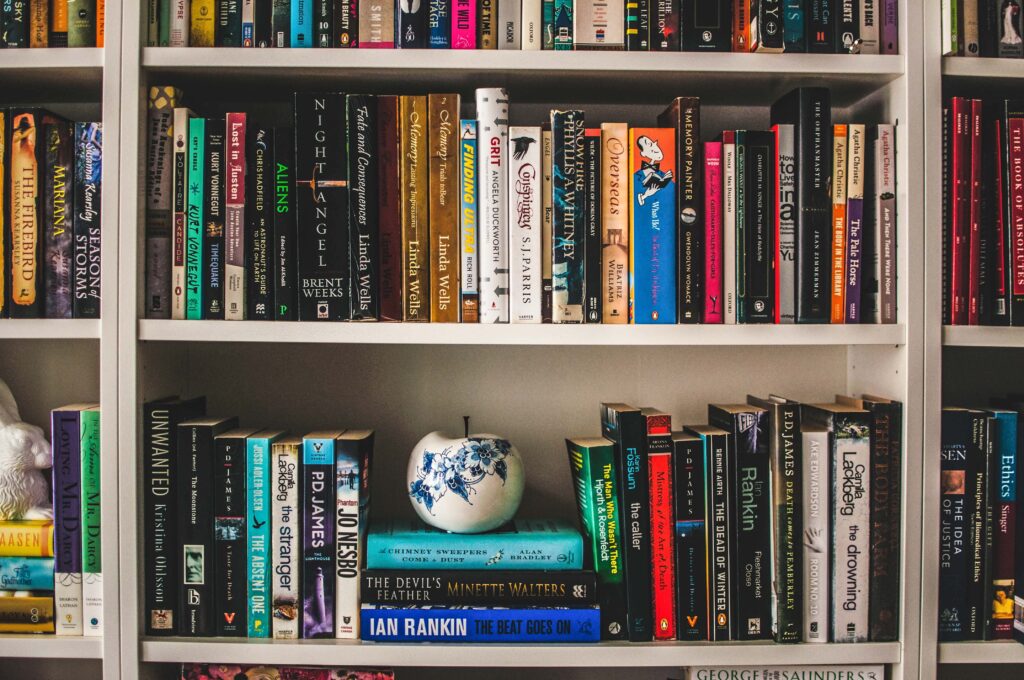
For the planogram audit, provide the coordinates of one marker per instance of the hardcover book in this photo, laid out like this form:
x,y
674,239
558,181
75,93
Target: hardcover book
x,y
592,225
614,223
714,257
92,553
159,185
414,191
33,573
1003,498
389,208
258,220
786,273
285,241
756,226
492,135
286,534
352,458
194,221
257,519
469,298
66,575
234,219
318,537
364,241
793,26
658,446
398,587
443,213
816,568
524,220
479,624
690,472
652,226
346,23
705,26
568,223
58,220
213,222
230,538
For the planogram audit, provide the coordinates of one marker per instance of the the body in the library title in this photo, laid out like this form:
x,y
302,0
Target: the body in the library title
x,y
420,213
52,23
983,28
818,26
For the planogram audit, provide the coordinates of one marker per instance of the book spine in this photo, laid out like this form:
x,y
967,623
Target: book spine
x,y
787,544
351,467
194,222
524,218
598,25
664,25
287,533
1003,495
59,25
201,26
88,221
869,26
720,555
281,23
855,226
159,184
706,26
492,135
714,288
975,254
851,549
39,25
179,22
883,605
26,539
411,25
66,575
364,239
729,226
469,298
890,29
318,559
691,539
377,25
443,214
248,23
414,167
690,257
631,22
234,219
27,161
767,31
547,224
213,222
37,573
816,541
885,220
563,24
346,23
509,24
969,42
756,219
259,296
663,528
26,615
568,227
839,223
480,625
82,23
741,25
263,11
847,27
439,25
323,23
592,205
978,538
532,31
322,198
956,443
614,223
821,27
787,271
92,557
302,29
230,539
464,25
752,506
1014,127
5,262
962,209
160,519
453,588
59,221
258,518
793,25
195,492
229,23
652,248
389,208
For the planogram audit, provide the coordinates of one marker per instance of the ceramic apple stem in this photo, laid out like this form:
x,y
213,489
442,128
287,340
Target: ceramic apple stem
x,y
465,421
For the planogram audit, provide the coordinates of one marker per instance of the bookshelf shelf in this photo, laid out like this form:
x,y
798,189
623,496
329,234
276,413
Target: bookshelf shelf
x,y
985,68
49,329
993,652
50,646
982,336
79,70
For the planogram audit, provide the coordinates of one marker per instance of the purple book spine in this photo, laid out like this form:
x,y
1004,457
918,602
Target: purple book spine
x,y
318,518
59,199
890,27
67,520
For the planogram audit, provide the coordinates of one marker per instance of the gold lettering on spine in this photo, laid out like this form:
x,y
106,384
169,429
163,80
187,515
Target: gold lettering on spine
x,y
24,218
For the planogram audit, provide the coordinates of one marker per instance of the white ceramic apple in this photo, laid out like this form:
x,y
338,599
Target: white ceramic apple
x,y
465,485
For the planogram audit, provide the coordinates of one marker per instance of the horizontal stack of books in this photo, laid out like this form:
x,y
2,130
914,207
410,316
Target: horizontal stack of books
x,y
423,216
851,27
211,671
52,23
51,179
26,566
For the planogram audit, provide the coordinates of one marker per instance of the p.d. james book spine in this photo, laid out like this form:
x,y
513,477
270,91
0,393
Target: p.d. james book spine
x,y
614,223
318,522
88,179
27,160
839,222
786,272
82,23
229,23
443,213
503,588
26,614
234,219
463,25
92,557
201,28
652,228
195,203
756,218
547,221
213,225
159,216
690,529
389,205
31,573
592,226
705,26
821,26
363,160
414,189
286,551
492,142
659,453
469,298
481,624
67,519
714,289
230,539
58,220
816,544
260,282
568,223
855,225
665,25
258,519
352,455
411,29
346,23
958,428
524,217
285,238
766,26
322,198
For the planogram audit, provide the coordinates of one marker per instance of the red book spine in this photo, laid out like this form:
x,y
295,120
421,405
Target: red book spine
x,y
1001,296
389,207
713,280
974,249
960,210
663,581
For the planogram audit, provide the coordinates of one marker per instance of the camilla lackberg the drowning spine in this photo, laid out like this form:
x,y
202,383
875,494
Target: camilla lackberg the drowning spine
x,y
479,624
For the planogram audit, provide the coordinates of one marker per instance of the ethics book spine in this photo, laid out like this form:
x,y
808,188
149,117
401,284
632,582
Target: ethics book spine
x,y
389,207
281,23
885,219
195,203
868,29
691,537
1003,495
377,25
524,220
855,226
814,517
705,26
786,273
414,189
614,223
484,624
839,222
88,220
230,539
286,509
714,288
729,226
509,18
532,31
58,221
260,282
847,26
592,205
201,28
26,614
851,548
1013,125
159,191
66,575
547,222
411,30
958,427
720,553
180,203
318,558
444,201
303,31
756,226
767,29
229,23
492,141
286,299
469,297
346,23
234,219
598,25
353,452
323,23
82,23
652,229
35,573
364,240
195,497
464,25
471,588
257,520
92,557
213,222
322,197
568,226
663,527
563,24
821,26
978,536
665,25
26,160
179,22
439,25
794,26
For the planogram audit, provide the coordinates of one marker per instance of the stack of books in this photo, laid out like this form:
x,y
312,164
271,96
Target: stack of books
x,y
26,565
521,583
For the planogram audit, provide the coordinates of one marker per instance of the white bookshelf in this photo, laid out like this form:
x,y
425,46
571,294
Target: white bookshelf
x,y
991,652
50,329
50,647
982,336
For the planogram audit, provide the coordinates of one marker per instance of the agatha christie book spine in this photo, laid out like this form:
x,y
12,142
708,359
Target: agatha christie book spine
x,y
840,166
31,614
159,215
285,237
614,223
258,519
195,203
58,221
66,576
318,549
492,142
414,191
286,533
524,220
855,226
469,298
352,456
364,242
234,219
652,229
443,213
398,587
213,222
592,205
92,530
230,539
389,205
88,219
568,226
689,469
659,457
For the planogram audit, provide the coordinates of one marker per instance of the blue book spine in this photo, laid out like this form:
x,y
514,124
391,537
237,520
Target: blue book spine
x,y
257,467
380,624
653,238
563,24
302,23
793,26
439,25
194,220
318,524
27,573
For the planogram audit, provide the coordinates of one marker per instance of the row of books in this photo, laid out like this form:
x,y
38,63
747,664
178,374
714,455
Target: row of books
x,y
51,570
52,23
980,536
412,221
982,28
50,218
211,671
982,212
852,27
778,520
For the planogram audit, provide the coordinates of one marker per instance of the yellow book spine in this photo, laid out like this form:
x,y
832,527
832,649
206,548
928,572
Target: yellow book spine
x,y
26,614
202,21
29,538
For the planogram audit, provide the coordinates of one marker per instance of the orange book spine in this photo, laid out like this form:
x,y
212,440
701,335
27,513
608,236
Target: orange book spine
x,y
39,25
839,136
741,26
26,538
101,23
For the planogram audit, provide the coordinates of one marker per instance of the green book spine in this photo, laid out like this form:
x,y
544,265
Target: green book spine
x,y
194,219
165,22
81,23
152,23
92,576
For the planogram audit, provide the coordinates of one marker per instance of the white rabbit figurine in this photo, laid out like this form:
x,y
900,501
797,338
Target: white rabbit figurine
x,y
24,451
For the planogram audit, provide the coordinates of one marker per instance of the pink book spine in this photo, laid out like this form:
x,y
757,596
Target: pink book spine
x,y
714,297
464,24
234,218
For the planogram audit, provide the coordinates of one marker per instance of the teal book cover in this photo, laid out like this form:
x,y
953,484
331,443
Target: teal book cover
x,y
257,467
194,219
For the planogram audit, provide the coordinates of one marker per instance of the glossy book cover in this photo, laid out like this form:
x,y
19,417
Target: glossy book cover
x,y
652,238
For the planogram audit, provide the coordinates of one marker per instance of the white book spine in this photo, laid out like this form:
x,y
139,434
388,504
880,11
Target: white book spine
x,y
869,26
348,475
866,672
524,211
816,509
787,222
531,32
947,27
180,25
729,231
67,602
92,604
851,527
180,184
971,45
510,14
492,145
598,24
286,540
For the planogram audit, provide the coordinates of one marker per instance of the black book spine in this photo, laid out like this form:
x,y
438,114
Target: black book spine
x,y
690,487
263,28
259,297
684,116
228,32
636,40
229,536
977,506
285,259
281,23
14,22
770,32
720,517
476,588
346,23
705,25
989,20
88,219
412,31
665,26
957,428
592,285
847,27
364,240
323,19
321,198
160,517
788,490
821,27
213,224
755,225
59,258
883,604
195,499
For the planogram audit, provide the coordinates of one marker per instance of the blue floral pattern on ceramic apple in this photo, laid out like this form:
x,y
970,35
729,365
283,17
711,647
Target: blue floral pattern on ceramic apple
x,y
458,469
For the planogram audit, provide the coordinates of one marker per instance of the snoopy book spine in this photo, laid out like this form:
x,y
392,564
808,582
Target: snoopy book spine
x,y
652,234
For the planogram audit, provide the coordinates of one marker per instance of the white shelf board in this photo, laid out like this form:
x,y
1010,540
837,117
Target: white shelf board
x,y
977,67
517,334
605,654
983,336
1001,651
56,58
49,329
50,647
36,75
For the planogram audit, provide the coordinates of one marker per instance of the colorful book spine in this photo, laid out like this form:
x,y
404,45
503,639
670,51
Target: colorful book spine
x,y
258,220
88,219
885,219
839,222
229,23
547,20
816,538
729,226
689,469
478,588
652,229
714,288
59,220
201,28
4,259
414,190
469,297
59,25
592,297
26,614
92,556
34,573
82,23
390,227
234,219
484,624
741,24
524,221
786,270
855,225
248,23
659,453
890,30
1003,492
26,160
66,575
159,192
664,25
568,223
563,24
318,556
793,28
302,29
180,130
194,222
286,529
26,538
492,136
444,202
353,452
230,538
614,223
285,238
213,222
411,29
257,516
547,222
463,25
364,240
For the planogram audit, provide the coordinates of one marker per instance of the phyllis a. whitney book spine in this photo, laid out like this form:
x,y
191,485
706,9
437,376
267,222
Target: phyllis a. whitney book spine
x,y
492,142
568,228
